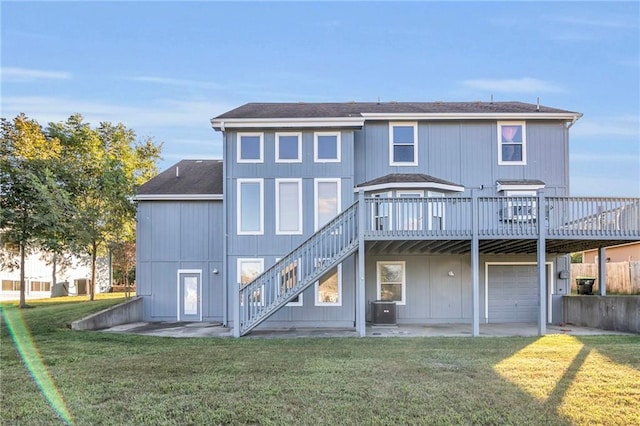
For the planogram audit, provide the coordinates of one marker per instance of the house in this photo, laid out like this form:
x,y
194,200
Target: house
x,y
450,212
619,253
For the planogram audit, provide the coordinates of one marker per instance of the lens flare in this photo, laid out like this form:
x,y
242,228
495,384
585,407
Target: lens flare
x,y
33,361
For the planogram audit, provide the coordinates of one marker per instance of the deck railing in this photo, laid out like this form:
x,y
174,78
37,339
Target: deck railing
x,y
592,217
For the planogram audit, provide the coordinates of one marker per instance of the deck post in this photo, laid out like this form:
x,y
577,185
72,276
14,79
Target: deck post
x,y
542,265
360,284
475,265
602,271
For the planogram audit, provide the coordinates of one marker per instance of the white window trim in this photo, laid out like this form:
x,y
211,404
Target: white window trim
x,y
404,279
524,143
317,301
239,263
299,230
413,124
179,296
317,181
300,301
239,151
239,207
338,147
295,160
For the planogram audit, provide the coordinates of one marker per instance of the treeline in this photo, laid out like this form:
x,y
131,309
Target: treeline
x,y
69,187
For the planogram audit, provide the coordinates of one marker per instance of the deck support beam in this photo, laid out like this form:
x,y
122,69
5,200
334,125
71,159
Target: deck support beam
x,y
361,326
602,271
475,267
542,266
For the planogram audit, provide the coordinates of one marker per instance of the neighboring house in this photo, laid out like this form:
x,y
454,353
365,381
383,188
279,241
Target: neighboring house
x,y
457,212
72,275
620,253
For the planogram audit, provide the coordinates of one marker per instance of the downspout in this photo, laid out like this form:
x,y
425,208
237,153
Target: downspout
x,y
225,235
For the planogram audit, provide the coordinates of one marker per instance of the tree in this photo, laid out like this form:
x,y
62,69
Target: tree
x,y
104,166
34,203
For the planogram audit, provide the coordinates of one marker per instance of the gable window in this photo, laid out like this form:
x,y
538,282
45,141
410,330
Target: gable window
x,y
288,147
248,270
289,279
326,147
250,211
391,282
512,143
249,148
329,288
403,144
288,206
327,200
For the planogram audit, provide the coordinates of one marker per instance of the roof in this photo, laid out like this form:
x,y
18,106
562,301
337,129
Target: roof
x,y
409,180
354,113
519,184
187,179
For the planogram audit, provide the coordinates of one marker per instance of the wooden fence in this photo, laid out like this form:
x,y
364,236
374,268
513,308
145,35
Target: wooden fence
x,y
622,277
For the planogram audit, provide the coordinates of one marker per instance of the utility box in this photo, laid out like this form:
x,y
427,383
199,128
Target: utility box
x,y
585,284
383,313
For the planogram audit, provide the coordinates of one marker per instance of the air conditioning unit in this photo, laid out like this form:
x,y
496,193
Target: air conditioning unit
x,y
520,210
383,313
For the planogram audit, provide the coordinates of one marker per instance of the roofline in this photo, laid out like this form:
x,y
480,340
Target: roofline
x,y
255,123
178,197
410,185
473,116
519,187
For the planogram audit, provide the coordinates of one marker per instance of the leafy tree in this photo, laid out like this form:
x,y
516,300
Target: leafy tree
x,y
34,203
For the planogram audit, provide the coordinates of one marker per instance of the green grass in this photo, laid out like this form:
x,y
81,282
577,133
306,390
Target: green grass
x,y
123,379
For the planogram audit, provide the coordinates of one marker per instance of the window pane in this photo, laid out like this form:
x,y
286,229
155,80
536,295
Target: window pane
x,y
288,148
511,152
403,134
288,207
250,147
248,271
403,154
391,292
250,207
328,288
327,147
511,133
391,273
327,202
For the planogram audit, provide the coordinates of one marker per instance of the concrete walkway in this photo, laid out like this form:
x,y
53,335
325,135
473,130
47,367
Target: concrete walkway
x,y
205,329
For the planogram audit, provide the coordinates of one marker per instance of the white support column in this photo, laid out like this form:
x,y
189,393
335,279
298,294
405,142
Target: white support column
x,y
602,271
361,326
475,266
542,265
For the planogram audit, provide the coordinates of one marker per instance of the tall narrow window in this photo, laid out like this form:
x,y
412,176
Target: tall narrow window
x,y
512,143
326,147
403,144
288,147
288,206
248,270
249,148
329,288
250,212
327,200
410,212
391,282
289,279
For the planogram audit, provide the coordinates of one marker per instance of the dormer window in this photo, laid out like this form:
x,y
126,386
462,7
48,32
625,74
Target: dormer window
x,y
403,144
512,143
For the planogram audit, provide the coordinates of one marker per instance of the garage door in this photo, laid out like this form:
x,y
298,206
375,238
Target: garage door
x,y
513,293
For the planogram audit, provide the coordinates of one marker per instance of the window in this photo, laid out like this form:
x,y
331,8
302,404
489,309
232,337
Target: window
x,y
289,279
403,144
519,206
328,289
327,201
10,285
249,148
436,211
381,212
512,142
326,147
40,286
248,270
409,216
250,212
288,147
288,206
391,282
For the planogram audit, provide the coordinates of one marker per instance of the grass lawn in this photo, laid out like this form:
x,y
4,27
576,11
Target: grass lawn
x,y
94,378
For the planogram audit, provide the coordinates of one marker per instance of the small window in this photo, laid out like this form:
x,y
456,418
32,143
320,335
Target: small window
x,y
289,279
403,144
512,143
288,147
328,289
326,147
250,148
248,270
288,206
40,286
250,211
391,282
10,285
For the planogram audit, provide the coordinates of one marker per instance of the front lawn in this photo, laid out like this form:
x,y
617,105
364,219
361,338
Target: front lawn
x,y
99,378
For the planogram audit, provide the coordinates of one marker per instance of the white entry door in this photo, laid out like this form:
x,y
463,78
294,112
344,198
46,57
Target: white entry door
x,y
189,295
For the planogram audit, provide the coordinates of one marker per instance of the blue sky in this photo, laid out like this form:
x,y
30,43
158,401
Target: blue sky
x,y
165,68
